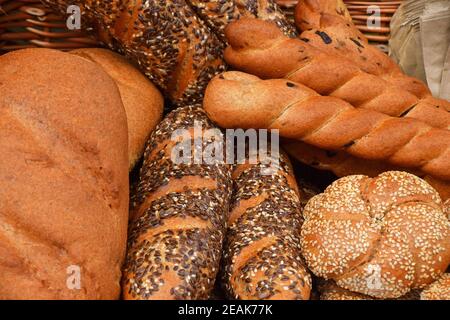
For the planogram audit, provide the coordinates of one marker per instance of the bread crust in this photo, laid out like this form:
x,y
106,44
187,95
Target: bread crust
x,y
63,178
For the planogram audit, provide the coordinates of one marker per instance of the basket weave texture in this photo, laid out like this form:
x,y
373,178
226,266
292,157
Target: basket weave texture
x,y
28,24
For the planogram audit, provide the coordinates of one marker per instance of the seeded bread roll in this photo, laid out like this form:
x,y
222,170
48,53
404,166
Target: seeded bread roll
x,y
172,46
178,216
63,178
142,101
259,48
380,236
342,164
239,100
438,290
218,14
262,258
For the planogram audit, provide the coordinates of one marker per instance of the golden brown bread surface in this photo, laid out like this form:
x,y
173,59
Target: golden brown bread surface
x,y
142,101
342,164
438,290
259,48
380,236
63,178
178,216
172,46
326,25
262,258
239,100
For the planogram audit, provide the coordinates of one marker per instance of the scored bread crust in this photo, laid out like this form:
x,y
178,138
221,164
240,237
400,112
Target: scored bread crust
x,y
262,258
239,100
178,217
63,178
259,48
380,236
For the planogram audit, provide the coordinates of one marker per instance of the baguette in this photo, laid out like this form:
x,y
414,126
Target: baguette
x,y
172,46
342,164
259,48
262,258
239,100
178,217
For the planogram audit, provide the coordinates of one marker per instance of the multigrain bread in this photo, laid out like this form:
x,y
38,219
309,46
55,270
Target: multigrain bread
x,y
343,164
259,48
178,215
239,100
262,258
218,14
63,178
142,101
309,13
172,46
380,236
438,290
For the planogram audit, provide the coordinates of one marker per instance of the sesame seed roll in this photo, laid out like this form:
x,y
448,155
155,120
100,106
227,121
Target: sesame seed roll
x,y
262,258
378,236
438,290
178,217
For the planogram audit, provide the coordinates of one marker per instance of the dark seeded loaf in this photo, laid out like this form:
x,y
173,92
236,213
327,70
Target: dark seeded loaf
x,y
178,219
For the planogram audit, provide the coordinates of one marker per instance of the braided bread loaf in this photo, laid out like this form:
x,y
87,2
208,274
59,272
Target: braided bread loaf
x,y
342,164
259,48
239,100
178,217
262,256
382,237
326,26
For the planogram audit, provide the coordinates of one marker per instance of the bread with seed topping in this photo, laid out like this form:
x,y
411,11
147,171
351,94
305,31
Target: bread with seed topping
x,y
438,290
178,214
262,258
382,236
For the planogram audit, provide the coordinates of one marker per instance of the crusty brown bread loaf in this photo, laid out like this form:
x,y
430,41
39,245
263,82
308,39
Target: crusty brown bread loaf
x,y
325,24
178,216
380,236
239,100
172,46
142,101
218,14
262,258
259,48
438,290
342,164
63,178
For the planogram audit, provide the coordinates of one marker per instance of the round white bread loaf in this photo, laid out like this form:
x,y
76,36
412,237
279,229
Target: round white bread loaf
x,y
63,178
378,236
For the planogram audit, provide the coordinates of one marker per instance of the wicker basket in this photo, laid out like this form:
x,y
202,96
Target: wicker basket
x,y
28,24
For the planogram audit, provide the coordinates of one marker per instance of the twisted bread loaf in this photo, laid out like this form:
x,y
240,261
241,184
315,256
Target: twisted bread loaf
x,y
326,26
259,48
218,14
178,216
382,237
172,46
262,255
239,100
342,164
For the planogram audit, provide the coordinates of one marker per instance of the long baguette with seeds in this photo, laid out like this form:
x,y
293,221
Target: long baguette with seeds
x,y
178,216
258,47
239,100
262,257
172,46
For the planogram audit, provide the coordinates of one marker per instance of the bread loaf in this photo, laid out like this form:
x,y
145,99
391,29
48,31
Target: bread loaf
x,y
178,216
259,48
239,100
342,164
325,24
63,178
382,237
172,46
262,258
438,290
142,101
